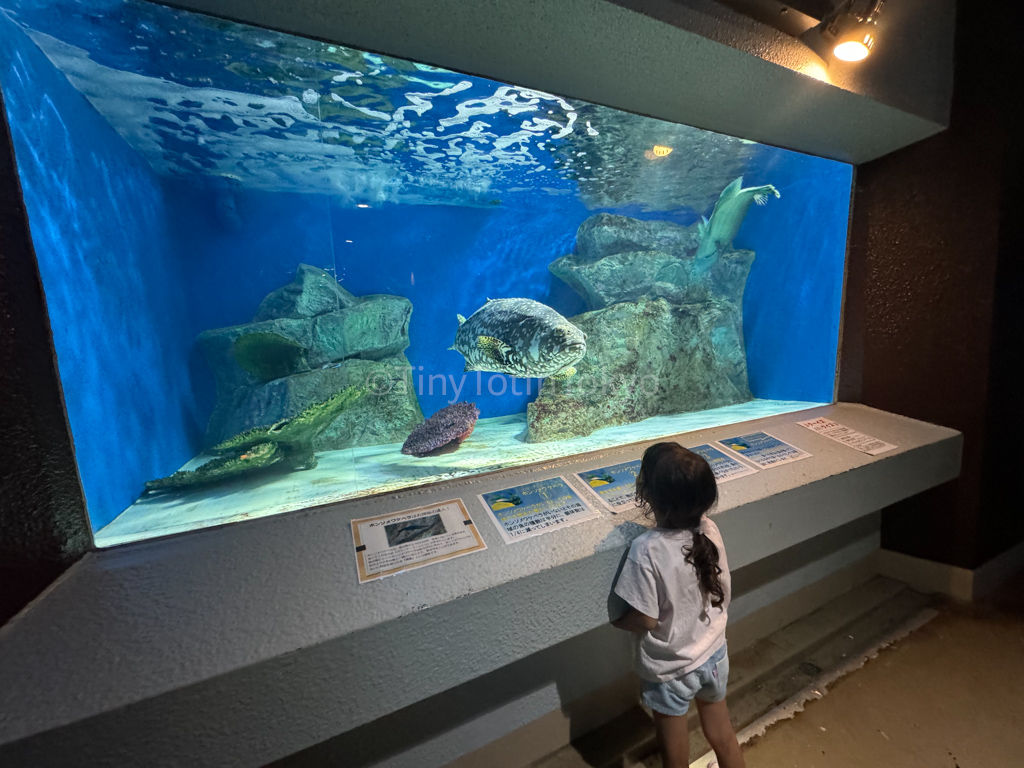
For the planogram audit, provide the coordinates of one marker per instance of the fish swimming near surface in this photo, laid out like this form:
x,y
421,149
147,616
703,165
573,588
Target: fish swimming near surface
x,y
521,337
718,232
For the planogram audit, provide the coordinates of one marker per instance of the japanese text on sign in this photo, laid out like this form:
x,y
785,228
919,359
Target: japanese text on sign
x,y
615,485
389,544
763,450
724,466
535,508
858,440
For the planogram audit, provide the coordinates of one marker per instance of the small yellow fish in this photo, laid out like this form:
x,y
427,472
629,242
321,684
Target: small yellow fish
x,y
501,505
738,447
596,481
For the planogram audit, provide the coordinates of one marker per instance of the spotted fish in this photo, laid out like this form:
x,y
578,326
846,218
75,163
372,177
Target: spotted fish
x,y
520,337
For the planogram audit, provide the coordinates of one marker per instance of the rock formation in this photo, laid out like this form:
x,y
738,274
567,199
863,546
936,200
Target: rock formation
x,y
663,334
309,340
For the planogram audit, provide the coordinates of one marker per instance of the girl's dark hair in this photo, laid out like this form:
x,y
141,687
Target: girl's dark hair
x,y
677,486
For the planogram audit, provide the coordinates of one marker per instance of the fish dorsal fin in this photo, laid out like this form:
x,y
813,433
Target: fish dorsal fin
x,y
461,319
733,189
494,348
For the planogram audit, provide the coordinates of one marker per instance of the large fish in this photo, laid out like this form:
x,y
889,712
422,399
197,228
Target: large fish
x,y
728,215
520,337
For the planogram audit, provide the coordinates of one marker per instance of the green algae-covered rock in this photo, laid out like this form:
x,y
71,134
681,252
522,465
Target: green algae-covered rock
x,y
618,258
269,356
386,413
645,358
289,357
374,328
313,292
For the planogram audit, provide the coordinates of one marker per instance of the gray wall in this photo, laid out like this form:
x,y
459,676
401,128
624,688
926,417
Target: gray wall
x,y
577,676
707,68
910,68
43,525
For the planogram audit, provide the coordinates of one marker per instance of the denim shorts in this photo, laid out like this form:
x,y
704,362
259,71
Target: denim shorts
x,y
707,683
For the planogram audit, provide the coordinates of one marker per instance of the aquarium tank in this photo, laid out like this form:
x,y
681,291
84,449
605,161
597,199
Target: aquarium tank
x,y
283,272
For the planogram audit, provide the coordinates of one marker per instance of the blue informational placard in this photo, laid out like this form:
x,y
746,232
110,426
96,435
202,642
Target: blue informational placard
x,y
614,485
724,466
529,510
763,450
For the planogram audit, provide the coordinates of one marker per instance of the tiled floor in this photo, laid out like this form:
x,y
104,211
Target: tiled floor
x,y
951,695
948,695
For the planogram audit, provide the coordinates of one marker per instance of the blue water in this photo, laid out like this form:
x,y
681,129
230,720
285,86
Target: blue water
x,y
172,199
99,224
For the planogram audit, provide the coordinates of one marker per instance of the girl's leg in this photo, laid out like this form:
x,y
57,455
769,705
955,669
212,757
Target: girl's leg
x,y
714,720
674,739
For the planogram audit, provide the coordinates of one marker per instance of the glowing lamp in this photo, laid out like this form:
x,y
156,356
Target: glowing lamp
x,y
853,50
660,151
848,31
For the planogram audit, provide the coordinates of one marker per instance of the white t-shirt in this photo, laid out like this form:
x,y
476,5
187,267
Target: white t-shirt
x,y
658,582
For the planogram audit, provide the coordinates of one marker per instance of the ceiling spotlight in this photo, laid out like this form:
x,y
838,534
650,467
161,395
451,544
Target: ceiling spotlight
x,y
833,29
849,30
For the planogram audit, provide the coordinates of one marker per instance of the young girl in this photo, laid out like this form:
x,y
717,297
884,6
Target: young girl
x,y
676,581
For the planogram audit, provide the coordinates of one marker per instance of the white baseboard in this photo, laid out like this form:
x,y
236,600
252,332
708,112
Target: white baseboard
x,y
957,583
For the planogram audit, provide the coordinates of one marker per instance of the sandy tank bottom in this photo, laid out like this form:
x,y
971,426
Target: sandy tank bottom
x,y
496,444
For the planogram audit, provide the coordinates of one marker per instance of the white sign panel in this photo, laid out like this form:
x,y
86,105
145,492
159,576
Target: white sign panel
x,y
390,544
858,440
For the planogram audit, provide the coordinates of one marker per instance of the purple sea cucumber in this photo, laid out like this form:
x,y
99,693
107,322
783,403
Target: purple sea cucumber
x,y
443,432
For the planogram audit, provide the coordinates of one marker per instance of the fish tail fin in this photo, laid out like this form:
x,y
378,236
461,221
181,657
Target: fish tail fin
x,y
761,198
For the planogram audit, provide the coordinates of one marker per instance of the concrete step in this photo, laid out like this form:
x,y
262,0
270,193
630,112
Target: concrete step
x,y
761,675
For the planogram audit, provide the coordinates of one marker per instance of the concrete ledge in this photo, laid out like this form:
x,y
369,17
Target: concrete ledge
x,y
255,641
606,54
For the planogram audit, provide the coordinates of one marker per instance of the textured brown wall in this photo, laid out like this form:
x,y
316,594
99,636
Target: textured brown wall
x,y
43,525
932,328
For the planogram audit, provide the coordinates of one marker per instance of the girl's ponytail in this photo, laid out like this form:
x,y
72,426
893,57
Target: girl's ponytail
x,y
703,556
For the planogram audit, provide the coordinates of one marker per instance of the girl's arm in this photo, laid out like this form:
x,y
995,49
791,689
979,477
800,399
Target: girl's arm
x,y
634,621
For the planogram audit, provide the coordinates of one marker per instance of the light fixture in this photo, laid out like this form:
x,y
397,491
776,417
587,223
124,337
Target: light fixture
x,y
849,31
660,151
844,30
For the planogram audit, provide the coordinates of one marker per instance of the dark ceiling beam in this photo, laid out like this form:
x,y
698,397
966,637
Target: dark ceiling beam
x,y
792,18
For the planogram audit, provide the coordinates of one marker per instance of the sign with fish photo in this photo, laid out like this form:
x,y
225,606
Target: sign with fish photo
x,y
389,544
614,485
763,450
724,466
535,508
